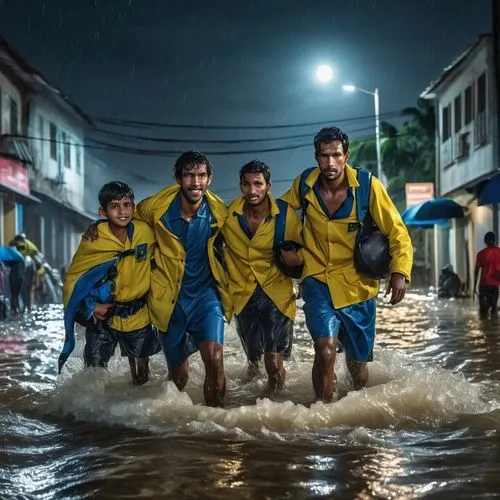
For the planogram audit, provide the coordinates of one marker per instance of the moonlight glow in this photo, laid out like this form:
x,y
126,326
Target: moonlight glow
x,y
324,73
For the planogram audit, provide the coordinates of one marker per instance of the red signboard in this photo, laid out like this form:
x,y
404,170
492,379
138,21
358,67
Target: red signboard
x,y
418,192
14,174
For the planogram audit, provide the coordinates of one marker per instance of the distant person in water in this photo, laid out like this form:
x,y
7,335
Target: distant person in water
x,y
488,269
450,284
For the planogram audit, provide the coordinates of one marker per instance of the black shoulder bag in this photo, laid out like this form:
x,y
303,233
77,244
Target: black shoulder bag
x,y
371,251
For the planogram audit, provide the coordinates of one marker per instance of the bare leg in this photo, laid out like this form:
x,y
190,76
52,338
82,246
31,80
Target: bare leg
x,y
323,372
275,371
133,371
358,371
179,375
214,387
139,369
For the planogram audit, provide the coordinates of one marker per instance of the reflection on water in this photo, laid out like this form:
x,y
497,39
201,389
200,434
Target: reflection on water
x,y
427,423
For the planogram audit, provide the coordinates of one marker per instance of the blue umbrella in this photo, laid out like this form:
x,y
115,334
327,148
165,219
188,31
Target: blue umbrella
x,y
436,211
10,255
489,193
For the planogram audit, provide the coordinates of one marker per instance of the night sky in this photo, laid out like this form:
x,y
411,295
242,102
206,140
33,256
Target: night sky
x,y
232,63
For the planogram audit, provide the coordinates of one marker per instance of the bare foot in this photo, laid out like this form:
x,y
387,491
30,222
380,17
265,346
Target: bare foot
x,y
253,370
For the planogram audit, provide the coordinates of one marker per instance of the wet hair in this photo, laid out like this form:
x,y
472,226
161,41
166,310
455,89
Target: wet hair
x,y
113,191
490,238
190,160
329,134
256,167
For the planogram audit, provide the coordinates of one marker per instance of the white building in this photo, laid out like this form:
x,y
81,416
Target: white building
x,y
466,150
14,175
50,137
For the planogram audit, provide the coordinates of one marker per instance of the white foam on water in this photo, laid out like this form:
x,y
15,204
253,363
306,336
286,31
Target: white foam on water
x,y
401,393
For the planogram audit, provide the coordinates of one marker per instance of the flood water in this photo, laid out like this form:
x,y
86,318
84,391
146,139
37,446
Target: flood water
x,y
426,426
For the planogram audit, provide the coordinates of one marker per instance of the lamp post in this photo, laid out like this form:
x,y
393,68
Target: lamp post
x,y
375,94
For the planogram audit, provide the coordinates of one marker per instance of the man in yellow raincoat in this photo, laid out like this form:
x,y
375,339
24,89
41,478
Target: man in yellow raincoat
x,y
264,301
189,297
336,297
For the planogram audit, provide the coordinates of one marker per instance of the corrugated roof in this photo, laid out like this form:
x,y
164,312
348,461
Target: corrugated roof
x,y
34,80
456,63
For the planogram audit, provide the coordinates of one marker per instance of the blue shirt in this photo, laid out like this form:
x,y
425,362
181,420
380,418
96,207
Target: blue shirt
x,y
343,211
194,235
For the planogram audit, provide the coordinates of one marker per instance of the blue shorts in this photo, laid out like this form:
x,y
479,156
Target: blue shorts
x,y
189,327
356,322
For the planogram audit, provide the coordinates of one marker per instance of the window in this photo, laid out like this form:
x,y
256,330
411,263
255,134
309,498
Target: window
x,y
53,141
480,132
469,104
66,150
446,122
78,159
14,122
481,94
41,135
458,113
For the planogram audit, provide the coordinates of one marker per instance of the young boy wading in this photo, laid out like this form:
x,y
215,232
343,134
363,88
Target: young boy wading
x,y
106,287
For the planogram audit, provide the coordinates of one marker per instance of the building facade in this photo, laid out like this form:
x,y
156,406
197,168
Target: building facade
x,y
466,151
14,174
43,132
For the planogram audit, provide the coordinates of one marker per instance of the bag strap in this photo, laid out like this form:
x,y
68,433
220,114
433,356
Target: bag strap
x,y
280,223
363,194
303,190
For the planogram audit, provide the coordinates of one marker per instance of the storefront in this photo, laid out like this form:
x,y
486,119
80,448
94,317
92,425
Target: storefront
x,y
14,195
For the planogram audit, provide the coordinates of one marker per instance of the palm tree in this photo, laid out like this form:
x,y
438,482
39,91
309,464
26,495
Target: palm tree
x,y
407,155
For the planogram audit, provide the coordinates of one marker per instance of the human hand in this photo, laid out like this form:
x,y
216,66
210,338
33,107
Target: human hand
x,y
102,311
397,287
91,234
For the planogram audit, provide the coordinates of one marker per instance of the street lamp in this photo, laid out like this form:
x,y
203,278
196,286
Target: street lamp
x,y
375,94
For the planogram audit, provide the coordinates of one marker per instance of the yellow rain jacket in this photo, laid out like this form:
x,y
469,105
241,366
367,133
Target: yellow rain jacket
x,y
26,247
329,244
251,261
134,271
167,274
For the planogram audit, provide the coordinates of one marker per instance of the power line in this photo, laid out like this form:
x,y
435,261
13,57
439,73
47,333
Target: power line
x,y
133,150
129,137
141,123
165,152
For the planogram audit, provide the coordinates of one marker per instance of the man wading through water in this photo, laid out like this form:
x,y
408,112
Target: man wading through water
x,y
335,294
262,238
189,295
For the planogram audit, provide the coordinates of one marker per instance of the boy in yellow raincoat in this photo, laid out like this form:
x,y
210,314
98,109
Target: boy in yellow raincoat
x,y
107,284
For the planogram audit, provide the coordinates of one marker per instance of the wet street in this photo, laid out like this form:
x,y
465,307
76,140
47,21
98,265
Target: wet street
x,y
427,425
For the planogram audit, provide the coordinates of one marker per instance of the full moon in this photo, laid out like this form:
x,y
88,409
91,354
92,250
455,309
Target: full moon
x,y
324,73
